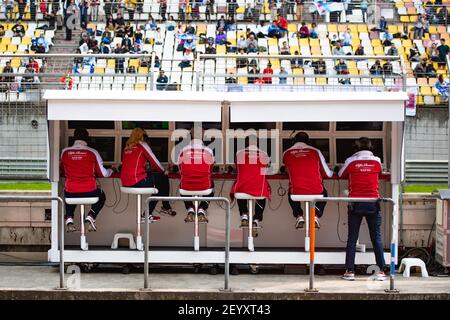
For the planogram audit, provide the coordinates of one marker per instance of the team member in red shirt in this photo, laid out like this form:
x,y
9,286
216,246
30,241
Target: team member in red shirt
x,y
195,163
362,170
306,167
81,165
134,174
251,166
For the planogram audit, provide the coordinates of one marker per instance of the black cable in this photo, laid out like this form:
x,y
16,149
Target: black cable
x,y
339,212
431,231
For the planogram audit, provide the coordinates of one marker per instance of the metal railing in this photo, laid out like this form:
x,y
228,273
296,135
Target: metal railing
x,y
4,198
227,232
393,244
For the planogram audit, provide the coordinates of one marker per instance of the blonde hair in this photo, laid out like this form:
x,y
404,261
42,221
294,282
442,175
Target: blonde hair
x,y
136,136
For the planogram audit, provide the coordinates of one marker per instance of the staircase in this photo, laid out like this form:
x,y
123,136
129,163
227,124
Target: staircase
x,y
60,65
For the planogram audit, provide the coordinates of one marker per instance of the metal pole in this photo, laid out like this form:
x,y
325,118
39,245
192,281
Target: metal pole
x,y
312,243
227,246
448,125
147,230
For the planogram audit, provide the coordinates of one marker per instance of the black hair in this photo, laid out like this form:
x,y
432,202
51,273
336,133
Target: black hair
x,y
81,134
250,138
301,137
362,143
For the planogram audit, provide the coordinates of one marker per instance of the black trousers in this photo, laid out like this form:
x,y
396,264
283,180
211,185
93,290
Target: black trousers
x,y
297,210
258,210
95,208
202,205
158,181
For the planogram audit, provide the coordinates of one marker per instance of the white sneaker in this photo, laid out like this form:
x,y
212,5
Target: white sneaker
x,y
244,221
91,223
255,228
299,224
202,216
70,227
349,275
317,222
380,276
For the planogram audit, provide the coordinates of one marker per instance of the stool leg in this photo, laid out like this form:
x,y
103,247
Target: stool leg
x,y
84,244
251,247
196,231
139,244
307,239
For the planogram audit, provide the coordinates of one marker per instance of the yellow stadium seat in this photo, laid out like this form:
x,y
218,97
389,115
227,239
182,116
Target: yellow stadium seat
x,y
5,40
292,27
26,40
419,100
134,63
332,28
304,42
240,10
292,49
272,42
425,90
232,41
321,81
404,19
221,49
377,82
353,28
362,28
111,63
139,87
15,63
243,80
314,43
12,48
99,70
143,70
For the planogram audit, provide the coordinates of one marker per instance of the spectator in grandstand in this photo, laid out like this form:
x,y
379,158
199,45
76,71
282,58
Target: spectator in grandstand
x,y
268,70
263,30
150,25
209,10
241,62
382,25
84,6
182,10
258,6
306,167
18,29
341,67
334,40
189,44
71,10
441,86
231,24
414,53
21,4
376,68
274,31
163,9
230,79
252,71
232,7
84,47
190,29
131,69
433,53
249,12
29,78
161,81
443,50
138,35
314,32
359,50
284,50
393,51
9,6
188,57
110,24
423,70
362,170
119,21
252,44
319,66
296,62
119,62
282,24
388,69
221,23
210,49
6,81
107,7
42,41
273,10
105,48
363,5
81,165
221,37
126,42
419,27
282,79
159,37
2,30
195,9
51,18
303,32
338,50
346,38
242,43
387,39
93,5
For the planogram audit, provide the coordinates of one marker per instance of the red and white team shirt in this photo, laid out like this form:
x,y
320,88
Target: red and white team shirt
x,y
134,162
251,164
81,165
306,167
196,162
362,170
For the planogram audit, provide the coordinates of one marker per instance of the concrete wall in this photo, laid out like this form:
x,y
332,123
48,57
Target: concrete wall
x,y
427,135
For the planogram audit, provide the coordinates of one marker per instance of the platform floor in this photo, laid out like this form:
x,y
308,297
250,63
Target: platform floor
x,y
39,282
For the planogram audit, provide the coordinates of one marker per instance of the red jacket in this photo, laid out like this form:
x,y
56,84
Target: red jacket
x,y
134,162
268,71
196,162
306,166
81,165
251,178
362,170
282,23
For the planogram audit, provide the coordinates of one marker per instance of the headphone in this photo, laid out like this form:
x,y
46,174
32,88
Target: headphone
x,y
293,134
363,143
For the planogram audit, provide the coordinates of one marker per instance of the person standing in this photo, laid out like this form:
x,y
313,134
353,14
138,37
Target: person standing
x,y
84,6
80,165
94,4
70,19
362,170
306,167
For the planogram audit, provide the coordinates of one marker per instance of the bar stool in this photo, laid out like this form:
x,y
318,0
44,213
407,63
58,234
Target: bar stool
x,y
196,194
306,199
139,192
82,202
251,202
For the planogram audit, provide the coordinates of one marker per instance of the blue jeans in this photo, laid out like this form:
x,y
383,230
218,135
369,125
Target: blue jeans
x,y
95,208
9,9
372,213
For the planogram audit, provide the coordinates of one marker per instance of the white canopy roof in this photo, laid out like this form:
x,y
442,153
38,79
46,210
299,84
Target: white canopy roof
x,y
206,106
